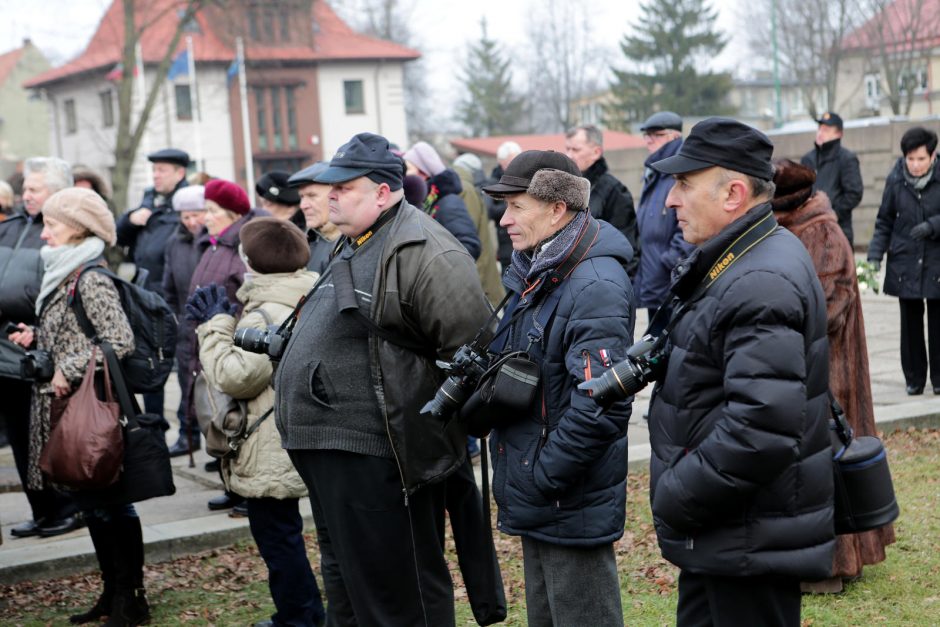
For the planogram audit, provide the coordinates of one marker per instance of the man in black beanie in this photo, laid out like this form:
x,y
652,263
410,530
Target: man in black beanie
x,y
400,293
739,422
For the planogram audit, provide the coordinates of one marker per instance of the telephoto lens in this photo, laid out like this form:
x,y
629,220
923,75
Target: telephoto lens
x,y
253,340
645,362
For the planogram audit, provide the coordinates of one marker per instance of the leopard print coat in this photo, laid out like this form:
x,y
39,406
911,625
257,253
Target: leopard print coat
x,y
59,333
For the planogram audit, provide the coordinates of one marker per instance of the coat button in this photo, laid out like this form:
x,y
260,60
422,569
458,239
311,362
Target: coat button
x,y
525,462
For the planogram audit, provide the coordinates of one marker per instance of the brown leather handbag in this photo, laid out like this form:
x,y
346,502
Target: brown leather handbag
x,y
86,447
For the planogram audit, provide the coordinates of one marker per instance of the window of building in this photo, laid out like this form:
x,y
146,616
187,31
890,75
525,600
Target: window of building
x,y
289,98
107,108
253,31
184,102
290,164
71,121
261,113
915,80
355,101
267,23
872,91
276,125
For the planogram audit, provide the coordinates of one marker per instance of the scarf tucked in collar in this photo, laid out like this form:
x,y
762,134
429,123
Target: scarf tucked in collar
x,y
61,261
918,182
550,252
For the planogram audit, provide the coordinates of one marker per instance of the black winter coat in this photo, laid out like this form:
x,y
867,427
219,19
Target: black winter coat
x,y
496,209
560,477
450,210
21,268
320,250
148,243
913,269
182,256
611,201
741,467
839,175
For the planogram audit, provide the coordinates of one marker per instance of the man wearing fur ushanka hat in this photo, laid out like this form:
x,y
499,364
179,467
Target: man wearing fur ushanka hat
x,y
563,470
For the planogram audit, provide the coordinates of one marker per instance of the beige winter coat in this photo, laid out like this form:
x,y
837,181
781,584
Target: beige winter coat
x,y
262,468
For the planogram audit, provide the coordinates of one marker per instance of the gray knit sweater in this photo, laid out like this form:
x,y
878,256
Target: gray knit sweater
x,y
325,398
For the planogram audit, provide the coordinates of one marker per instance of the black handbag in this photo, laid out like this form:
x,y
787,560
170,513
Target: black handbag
x,y
864,492
146,472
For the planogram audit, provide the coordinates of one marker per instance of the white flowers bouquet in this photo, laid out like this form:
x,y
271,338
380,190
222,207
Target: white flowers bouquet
x,y
867,276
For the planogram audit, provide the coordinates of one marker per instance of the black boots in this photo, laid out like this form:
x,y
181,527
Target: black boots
x,y
102,538
129,608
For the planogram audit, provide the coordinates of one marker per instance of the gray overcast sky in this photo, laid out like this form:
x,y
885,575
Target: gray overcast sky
x,y
442,29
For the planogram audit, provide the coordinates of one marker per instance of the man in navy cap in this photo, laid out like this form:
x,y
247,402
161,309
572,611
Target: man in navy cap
x,y
145,230
837,170
400,293
315,205
741,466
660,235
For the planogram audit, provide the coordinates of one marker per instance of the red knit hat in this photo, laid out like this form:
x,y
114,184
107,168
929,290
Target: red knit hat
x,y
228,195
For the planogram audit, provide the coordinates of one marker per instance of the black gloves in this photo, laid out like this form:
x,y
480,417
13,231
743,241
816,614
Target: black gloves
x,y
922,231
207,302
875,264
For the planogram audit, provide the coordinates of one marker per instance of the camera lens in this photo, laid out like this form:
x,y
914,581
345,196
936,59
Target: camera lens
x,y
252,340
449,396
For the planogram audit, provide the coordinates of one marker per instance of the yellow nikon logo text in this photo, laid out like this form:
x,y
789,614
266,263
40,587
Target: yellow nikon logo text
x,y
363,238
721,266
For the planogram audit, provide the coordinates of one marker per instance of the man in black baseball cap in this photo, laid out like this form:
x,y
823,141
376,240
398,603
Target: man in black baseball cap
x,y
398,293
837,170
742,409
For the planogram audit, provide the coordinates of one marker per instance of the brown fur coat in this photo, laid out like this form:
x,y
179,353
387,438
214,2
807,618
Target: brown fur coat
x,y
814,223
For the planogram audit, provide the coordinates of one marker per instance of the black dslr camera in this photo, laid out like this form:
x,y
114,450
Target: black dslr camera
x,y
37,365
646,362
264,342
464,374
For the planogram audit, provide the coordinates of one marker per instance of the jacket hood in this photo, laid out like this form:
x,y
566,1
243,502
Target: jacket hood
x,y
283,288
447,183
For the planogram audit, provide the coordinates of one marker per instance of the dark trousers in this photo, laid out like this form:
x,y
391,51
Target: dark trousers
x,y
382,560
706,600
277,528
153,402
913,347
47,503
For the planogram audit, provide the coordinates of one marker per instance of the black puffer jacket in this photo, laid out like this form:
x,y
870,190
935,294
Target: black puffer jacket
x,y
448,209
741,468
913,269
612,202
561,477
839,175
148,243
20,267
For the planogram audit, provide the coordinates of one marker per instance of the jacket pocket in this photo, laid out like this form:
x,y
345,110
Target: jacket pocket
x,y
319,385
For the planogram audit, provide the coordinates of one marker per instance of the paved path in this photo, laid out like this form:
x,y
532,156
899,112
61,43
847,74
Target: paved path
x,y
182,524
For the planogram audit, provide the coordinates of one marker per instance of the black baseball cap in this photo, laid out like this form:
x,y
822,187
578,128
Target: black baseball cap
x,y
519,173
829,118
725,143
366,154
170,155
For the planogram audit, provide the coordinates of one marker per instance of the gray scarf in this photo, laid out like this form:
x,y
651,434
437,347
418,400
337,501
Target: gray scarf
x,y
919,182
61,261
550,252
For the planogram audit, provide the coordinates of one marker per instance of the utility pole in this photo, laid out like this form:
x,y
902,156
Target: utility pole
x,y
778,108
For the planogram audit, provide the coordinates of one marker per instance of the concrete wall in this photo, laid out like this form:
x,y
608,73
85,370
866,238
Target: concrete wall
x,y
383,95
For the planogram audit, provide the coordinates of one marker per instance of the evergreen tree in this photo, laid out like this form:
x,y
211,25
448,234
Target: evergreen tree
x,y
490,105
674,38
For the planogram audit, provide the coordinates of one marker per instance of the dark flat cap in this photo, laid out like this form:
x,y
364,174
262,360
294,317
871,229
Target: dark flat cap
x,y
366,154
273,187
518,174
170,155
662,120
830,118
308,175
725,143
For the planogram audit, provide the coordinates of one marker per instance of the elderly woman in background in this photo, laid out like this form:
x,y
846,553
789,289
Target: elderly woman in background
x,y
810,217
908,229
77,227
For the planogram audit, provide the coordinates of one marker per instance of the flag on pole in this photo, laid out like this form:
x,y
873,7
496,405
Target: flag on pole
x,y
231,73
179,67
115,74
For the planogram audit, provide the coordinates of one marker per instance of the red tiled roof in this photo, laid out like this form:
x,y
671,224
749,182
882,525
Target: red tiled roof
x,y
8,62
335,41
613,140
893,27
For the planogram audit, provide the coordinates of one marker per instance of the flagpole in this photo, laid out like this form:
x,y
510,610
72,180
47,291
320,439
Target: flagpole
x,y
246,124
197,114
142,98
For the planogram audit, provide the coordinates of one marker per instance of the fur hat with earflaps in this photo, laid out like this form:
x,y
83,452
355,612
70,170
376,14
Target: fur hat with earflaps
x,y
547,175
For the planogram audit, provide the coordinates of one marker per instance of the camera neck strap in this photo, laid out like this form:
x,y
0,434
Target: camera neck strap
x,y
750,238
